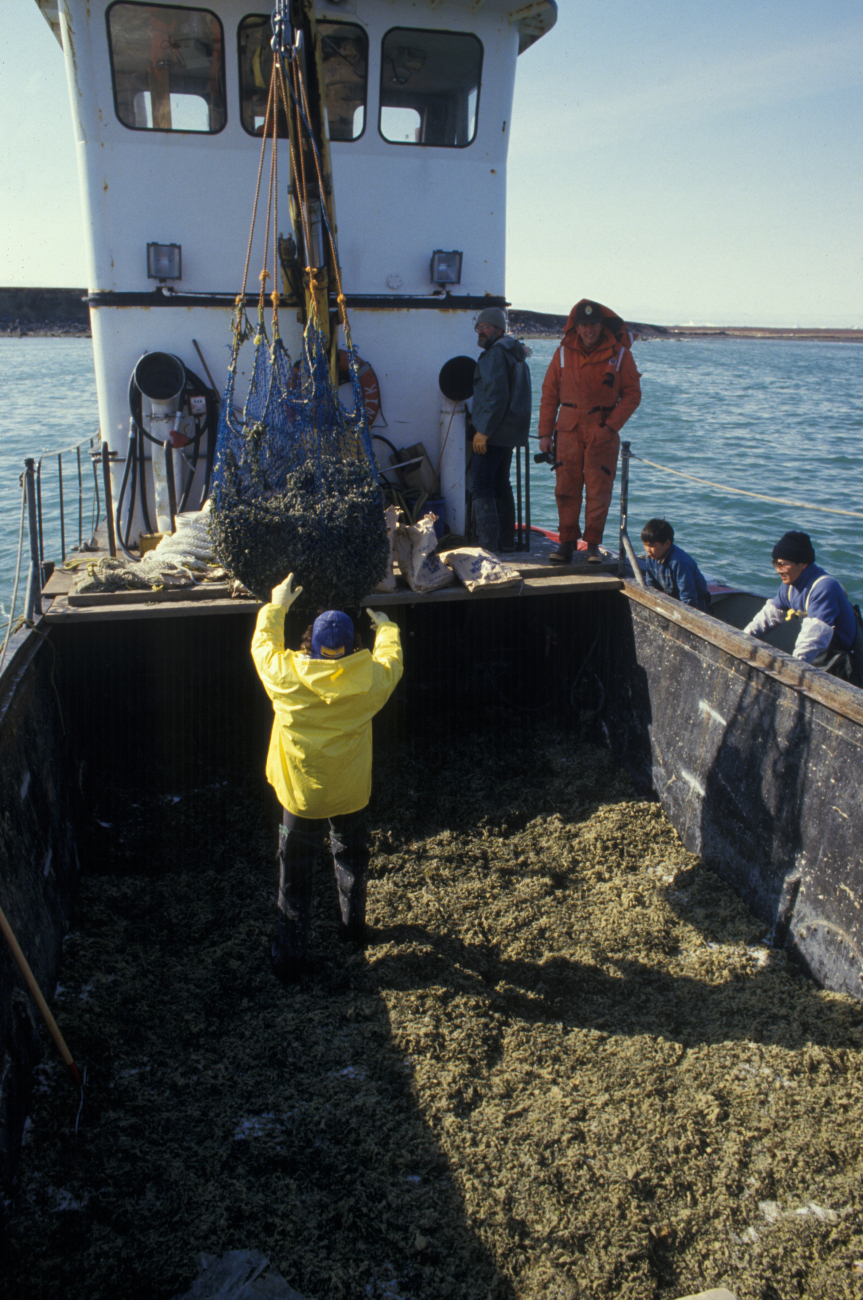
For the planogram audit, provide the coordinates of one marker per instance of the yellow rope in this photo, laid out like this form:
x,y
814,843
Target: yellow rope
x,y
741,492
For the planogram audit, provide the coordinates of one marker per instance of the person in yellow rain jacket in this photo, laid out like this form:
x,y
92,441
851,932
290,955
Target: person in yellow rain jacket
x,y
320,759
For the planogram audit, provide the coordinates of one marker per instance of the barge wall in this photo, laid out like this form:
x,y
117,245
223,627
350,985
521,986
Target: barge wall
x,y
756,759
38,868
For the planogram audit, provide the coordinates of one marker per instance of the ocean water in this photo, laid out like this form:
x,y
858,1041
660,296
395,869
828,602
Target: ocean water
x,y
775,417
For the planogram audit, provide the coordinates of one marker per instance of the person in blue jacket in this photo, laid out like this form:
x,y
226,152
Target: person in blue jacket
x,y
501,420
670,569
829,626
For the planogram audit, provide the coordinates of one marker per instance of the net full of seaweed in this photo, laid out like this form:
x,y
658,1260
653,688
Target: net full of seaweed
x,y
295,485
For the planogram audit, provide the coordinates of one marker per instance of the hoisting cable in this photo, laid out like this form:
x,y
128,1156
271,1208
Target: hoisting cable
x,y
741,492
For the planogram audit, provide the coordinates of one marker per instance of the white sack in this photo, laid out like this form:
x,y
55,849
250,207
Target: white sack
x,y
415,543
478,568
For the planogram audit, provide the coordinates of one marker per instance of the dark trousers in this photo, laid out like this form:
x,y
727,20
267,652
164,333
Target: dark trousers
x,y
489,477
299,841
839,662
489,474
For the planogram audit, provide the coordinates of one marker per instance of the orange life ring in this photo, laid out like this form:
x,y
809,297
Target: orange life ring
x,y
368,383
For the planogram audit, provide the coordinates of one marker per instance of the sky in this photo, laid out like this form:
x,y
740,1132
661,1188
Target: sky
x,y
688,162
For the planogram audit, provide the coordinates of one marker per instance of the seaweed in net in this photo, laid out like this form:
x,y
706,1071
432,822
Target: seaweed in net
x,y
294,485
295,489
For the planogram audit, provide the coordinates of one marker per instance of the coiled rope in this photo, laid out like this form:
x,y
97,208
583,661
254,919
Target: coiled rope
x,y
741,492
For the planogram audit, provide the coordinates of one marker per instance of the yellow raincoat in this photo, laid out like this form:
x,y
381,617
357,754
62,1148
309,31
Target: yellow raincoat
x,y
320,759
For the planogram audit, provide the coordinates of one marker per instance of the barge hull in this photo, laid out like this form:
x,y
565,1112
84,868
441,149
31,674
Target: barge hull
x,y
756,759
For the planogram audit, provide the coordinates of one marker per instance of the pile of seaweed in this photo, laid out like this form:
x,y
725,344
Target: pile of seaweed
x,y
568,1067
324,524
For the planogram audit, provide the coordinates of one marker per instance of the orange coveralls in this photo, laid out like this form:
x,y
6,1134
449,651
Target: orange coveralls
x,y
587,397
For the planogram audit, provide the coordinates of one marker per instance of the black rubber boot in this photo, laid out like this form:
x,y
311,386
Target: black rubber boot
x,y
296,867
563,554
350,849
485,513
506,521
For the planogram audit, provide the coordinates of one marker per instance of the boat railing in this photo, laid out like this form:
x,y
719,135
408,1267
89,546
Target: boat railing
x,y
627,553
60,493
625,550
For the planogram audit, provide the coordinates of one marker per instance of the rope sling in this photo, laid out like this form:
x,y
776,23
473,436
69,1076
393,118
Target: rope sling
x,y
295,485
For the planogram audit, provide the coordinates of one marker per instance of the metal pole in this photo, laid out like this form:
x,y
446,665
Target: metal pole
x,y
624,506
527,496
518,545
39,511
169,475
33,604
109,501
636,567
80,502
62,511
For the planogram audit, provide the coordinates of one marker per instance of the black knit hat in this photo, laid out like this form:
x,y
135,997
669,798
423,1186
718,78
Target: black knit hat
x,y
794,547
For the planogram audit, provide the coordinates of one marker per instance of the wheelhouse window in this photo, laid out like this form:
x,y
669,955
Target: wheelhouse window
x,y
429,87
168,68
344,56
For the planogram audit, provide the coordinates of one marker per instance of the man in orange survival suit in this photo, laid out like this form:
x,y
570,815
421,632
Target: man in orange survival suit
x,y
589,392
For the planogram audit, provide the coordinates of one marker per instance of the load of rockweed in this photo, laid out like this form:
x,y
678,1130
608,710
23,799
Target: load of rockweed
x,y
295,485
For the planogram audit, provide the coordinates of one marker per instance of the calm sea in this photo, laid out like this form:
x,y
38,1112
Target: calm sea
x,y
779,418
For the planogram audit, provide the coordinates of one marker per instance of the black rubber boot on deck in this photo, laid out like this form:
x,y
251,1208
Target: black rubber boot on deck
x,y
485,513
506,522
563,554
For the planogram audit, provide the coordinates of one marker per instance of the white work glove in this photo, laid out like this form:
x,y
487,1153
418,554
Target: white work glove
x,y
377,618
282,595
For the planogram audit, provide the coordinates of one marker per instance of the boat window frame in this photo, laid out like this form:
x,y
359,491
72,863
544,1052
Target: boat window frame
x,y
430,31
167,130
282,133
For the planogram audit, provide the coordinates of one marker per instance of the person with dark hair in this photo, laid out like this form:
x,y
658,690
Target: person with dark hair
x,y
320,759
670,569
501,419
590,390
830,632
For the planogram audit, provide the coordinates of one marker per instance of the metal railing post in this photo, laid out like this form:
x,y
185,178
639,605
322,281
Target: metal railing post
x,y
624,506
518,541
626,550
62,510
33,604
172,487
109,501
527,496
80,502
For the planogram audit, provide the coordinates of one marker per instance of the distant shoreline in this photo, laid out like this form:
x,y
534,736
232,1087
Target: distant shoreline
x,y
64,313
538,325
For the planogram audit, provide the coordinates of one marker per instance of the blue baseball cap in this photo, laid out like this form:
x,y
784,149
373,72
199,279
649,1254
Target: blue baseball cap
x,y
332,635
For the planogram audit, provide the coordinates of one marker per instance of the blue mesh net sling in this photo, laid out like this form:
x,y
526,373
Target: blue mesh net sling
x,y
295,486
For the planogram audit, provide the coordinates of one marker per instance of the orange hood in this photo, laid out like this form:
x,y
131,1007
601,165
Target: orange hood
x,y
612,322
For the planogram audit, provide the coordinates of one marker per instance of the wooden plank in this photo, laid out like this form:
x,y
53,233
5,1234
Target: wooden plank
x,y
206,591
214,599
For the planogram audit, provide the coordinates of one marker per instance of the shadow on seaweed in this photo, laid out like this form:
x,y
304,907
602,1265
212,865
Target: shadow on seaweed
x,y
222,1111
630,1000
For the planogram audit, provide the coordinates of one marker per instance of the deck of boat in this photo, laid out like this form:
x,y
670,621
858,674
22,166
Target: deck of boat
x,y
539,578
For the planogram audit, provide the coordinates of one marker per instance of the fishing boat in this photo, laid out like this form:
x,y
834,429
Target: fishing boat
x,y
754,755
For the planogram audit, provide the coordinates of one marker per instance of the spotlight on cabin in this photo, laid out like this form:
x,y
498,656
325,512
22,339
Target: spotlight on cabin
x,y
164,262
446,267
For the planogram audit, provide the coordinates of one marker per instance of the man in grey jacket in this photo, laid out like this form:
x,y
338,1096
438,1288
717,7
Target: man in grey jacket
x,y
501,419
